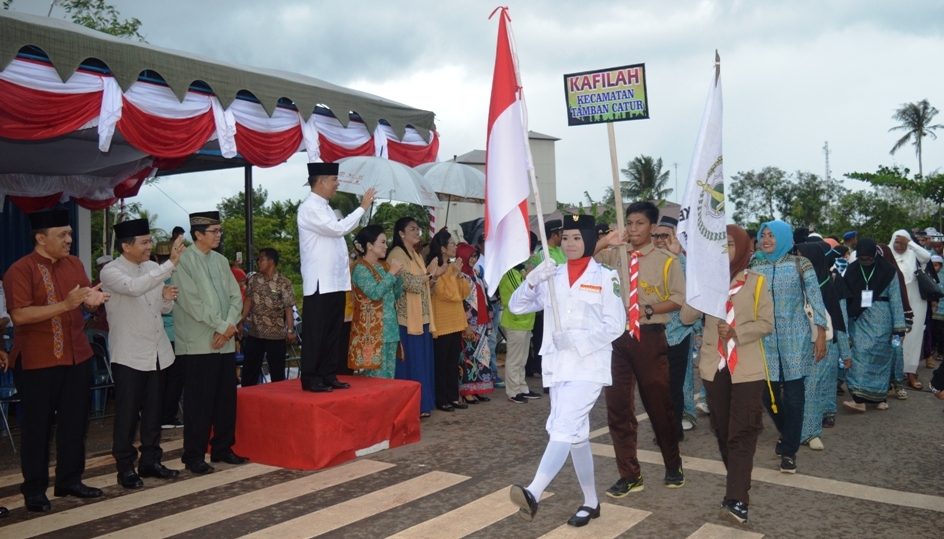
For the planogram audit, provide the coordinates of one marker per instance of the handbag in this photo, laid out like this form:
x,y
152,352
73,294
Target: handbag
x,y
929,289
808,310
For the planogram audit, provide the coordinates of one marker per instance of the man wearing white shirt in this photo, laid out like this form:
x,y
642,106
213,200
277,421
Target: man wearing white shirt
x,y
140,349
326,276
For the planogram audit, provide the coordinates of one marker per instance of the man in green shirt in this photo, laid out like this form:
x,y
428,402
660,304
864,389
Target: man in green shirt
x,y
517,339
554,231
209,306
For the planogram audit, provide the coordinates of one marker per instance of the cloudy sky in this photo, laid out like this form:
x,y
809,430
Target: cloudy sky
x,y
795,74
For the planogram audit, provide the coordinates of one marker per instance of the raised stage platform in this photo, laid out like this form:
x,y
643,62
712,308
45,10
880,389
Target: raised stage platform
x,y
280,425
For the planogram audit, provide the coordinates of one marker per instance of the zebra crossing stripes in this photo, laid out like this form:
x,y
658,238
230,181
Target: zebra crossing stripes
x,y
259,499
96,510
467,519
351,511
801,481
614,521
713,531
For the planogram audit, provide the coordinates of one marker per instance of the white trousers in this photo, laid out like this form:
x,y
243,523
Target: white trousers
x,y
571,403
914,339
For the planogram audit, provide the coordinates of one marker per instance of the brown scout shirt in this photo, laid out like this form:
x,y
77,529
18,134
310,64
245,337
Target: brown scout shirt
x,y
651,289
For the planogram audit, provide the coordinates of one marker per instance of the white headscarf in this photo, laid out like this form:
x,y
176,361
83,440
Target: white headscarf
x,y
907,262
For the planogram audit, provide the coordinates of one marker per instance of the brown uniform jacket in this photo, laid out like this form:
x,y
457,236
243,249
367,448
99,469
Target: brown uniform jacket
x,y
653,286
750,332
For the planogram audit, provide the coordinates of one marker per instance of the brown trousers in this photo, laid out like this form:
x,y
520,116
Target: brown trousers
x,y
645,361
737,416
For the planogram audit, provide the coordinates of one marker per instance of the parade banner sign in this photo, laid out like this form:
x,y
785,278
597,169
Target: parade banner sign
x,y
615,94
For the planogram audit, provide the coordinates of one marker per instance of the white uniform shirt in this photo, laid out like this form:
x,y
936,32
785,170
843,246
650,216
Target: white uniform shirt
x,y
591,311
136,335
321,242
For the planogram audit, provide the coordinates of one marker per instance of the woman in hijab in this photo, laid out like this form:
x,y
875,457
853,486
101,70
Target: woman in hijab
x,y
732,370
475,376
897,381
792,348
821,384
910,256
876,325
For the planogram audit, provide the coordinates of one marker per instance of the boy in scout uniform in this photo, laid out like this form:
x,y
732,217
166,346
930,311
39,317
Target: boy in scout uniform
x,y
656,288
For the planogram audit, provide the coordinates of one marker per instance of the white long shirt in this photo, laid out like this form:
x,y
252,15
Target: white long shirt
x,y
136,336
321,243
591,311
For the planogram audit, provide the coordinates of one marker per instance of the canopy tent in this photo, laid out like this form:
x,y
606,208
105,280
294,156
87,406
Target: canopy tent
x,y
89,116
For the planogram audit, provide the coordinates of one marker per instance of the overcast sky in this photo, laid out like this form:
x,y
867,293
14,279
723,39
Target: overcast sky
x,y
795,74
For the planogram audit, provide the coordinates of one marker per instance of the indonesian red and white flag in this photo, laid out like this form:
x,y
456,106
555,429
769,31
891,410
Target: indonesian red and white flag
x,y
507,165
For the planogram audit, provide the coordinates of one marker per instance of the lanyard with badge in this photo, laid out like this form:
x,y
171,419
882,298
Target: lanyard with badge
x,y
867,294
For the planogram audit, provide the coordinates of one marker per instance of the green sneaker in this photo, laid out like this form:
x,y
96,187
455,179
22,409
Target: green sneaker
x,y
624,486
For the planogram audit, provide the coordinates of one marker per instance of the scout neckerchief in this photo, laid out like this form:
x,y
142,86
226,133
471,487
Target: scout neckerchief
x,y
632,315
728,351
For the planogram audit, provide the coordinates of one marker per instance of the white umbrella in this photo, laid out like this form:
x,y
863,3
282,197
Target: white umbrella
x,y
455,182
392,180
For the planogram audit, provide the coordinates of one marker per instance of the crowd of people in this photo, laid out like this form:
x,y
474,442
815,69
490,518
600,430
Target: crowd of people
x,y
807,317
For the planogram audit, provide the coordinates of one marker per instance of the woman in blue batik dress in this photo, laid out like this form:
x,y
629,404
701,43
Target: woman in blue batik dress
x,y
897,380
791,348
876,319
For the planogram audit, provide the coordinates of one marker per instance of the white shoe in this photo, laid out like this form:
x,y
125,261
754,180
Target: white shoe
x,y
816,444
853,406
901,394
702,407
687,425
881,406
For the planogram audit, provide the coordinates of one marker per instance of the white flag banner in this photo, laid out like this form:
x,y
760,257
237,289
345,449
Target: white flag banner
x,y
702,226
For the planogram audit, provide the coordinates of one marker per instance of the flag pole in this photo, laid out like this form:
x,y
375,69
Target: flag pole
x,y
620,218
534,180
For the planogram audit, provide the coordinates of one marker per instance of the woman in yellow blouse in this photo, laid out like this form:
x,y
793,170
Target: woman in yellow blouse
x,y
449,290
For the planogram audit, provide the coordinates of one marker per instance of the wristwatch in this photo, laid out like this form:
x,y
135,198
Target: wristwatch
x,y
649,312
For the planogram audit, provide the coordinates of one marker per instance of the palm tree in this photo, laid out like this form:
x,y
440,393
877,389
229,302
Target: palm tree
x,y
645,180
915,120
159,233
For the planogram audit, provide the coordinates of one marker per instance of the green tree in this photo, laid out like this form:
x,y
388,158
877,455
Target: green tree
x,y
809,198
97,15
759,196
645,180
876,212
922,188
386,215
915,120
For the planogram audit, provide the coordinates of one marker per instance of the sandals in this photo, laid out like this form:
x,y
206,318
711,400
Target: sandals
x,y
424,415
912,381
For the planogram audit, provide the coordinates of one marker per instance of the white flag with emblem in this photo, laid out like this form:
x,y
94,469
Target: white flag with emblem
x,y
702,227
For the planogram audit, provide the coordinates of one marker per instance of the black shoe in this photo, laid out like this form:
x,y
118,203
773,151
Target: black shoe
x,y
38,503
79,491
528,506
4,512
459,406
446,408
200,467
317,388
675,478
579,521
829,422
129,479
157,470
734,511
482,398
230,458
778,449
473,400
337,384
624,486
532,395
788,465
839,390
518,399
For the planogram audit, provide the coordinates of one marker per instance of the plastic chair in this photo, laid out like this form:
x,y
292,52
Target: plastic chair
x,y
102,379
8,396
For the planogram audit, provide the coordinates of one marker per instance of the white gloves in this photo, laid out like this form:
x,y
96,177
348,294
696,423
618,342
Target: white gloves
x,y
543,272
563,341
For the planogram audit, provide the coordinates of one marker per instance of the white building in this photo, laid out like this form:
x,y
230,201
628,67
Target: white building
x,y
545,168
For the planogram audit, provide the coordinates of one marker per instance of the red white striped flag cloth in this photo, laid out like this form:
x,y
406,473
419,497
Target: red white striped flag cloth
x,y
507,162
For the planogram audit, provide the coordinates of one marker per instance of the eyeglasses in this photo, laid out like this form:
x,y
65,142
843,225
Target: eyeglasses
x,y
215,232
660,236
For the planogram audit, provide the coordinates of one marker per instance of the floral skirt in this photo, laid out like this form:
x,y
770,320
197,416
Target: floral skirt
x,y
475,374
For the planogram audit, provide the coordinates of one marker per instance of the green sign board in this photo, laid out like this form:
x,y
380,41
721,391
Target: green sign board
x,y
615,94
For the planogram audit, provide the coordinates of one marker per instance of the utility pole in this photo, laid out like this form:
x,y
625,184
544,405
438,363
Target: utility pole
x,y
676,182
826,152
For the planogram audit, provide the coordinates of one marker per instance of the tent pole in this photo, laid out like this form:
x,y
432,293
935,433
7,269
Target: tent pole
x,y
448,204
248,216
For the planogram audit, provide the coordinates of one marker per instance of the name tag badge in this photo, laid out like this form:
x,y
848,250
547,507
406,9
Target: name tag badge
x,y
866,298
591,288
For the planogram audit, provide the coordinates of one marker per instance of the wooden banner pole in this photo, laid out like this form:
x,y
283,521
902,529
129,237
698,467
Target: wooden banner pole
x,y
620,217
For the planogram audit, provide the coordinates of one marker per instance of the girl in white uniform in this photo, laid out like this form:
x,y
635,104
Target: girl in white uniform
x,y
576,363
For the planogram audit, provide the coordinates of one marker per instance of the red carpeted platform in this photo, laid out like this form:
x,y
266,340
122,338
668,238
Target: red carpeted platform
x,y
280,425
